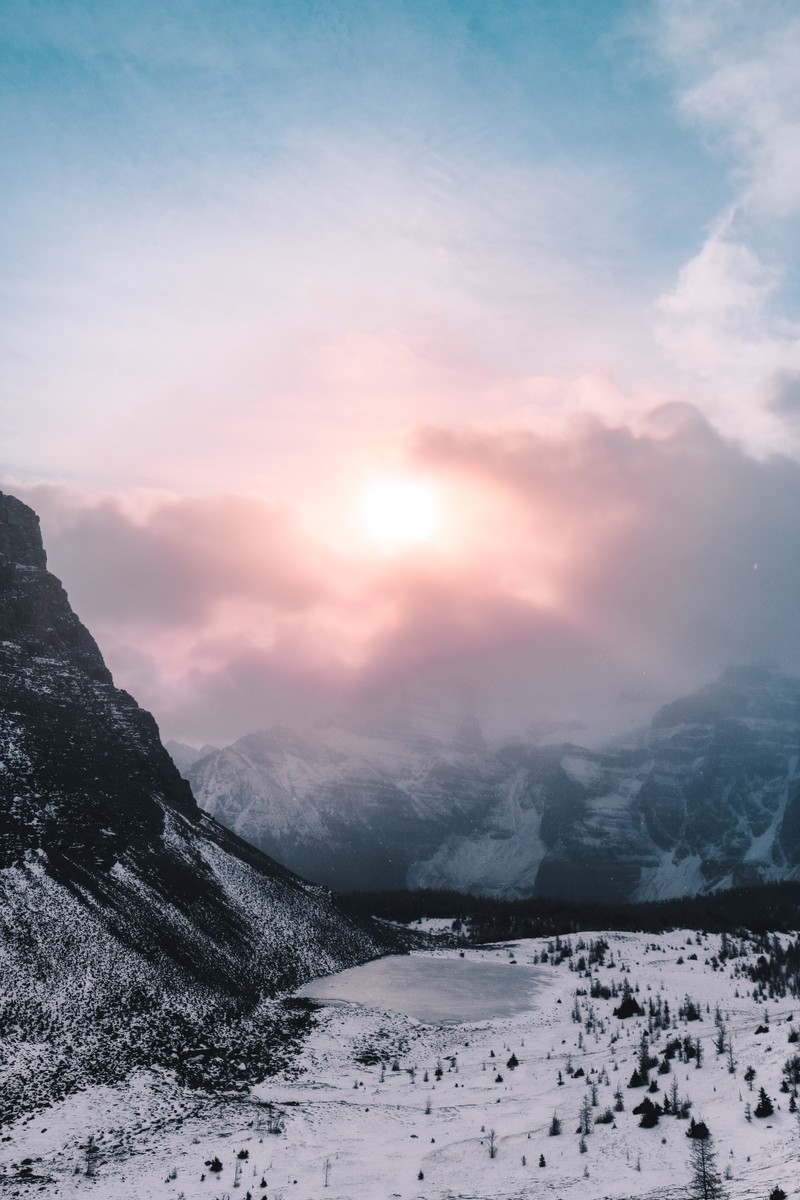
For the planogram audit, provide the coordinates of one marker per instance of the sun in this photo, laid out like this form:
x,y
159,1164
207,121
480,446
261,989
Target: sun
x,y
400,511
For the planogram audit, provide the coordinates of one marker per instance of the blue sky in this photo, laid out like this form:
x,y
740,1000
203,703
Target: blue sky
x,y
492,167
269,249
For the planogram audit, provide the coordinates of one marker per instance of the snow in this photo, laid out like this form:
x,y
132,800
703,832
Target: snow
x,y
369,1123
441,988
761,848
672,877
435,925
503,858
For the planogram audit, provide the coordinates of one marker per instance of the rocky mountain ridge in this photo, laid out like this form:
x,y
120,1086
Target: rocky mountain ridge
x,y
130,920
707,797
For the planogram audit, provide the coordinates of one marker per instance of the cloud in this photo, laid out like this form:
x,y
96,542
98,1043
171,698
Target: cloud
x,y
785,397
728,318
177,559
585,573
738,70
680,553
718,324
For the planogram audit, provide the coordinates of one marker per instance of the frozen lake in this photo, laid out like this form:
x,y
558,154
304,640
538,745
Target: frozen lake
x,y
433,988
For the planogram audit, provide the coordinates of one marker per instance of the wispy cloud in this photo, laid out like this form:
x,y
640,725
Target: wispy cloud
x,y
732,316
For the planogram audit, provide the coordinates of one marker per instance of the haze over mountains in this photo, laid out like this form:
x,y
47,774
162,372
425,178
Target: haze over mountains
x,y
707,797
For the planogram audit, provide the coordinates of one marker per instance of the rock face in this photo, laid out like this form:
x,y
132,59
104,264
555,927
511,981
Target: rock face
x,y
723,786
708,797
350,807
83,776
117,892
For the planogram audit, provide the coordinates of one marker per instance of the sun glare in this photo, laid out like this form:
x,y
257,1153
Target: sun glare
x,y
400,511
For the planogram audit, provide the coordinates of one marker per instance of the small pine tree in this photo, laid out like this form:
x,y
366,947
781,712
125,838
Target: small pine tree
x,y
555,1126
764,1108
92,1151
706,1183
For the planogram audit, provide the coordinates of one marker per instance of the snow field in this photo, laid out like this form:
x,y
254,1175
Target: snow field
x,y
354,1128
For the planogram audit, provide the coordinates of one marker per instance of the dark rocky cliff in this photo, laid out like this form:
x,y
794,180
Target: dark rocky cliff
x,y
129,919
83,774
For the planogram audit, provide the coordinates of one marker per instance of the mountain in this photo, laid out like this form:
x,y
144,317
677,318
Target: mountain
x,y
131,922
358,801
707,797
185,756
353,805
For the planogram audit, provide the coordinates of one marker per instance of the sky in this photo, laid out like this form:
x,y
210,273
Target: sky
x,y
434,348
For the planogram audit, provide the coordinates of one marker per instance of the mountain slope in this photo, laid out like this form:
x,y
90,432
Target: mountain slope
x,y
118,895
708,797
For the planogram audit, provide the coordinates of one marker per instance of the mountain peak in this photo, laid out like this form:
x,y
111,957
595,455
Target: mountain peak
x,y
36,620
20,535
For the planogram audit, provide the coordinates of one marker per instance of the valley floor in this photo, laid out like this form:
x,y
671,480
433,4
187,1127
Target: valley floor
x,y
353,1128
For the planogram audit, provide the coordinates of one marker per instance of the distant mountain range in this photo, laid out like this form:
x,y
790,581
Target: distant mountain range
x,y
131,922
707,797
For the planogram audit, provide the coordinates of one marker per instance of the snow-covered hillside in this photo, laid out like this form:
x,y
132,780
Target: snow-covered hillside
x,y
377,1106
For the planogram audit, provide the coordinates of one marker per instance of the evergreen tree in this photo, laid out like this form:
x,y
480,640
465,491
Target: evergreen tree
x,y
764,1108
706,1183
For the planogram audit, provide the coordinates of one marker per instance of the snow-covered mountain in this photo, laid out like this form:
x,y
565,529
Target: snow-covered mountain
x,y
708,796
353,805
129,919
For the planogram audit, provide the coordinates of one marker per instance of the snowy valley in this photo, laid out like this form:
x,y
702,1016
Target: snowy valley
x,y
376,1105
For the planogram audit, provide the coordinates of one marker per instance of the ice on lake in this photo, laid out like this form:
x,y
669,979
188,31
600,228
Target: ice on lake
x,y
432,988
